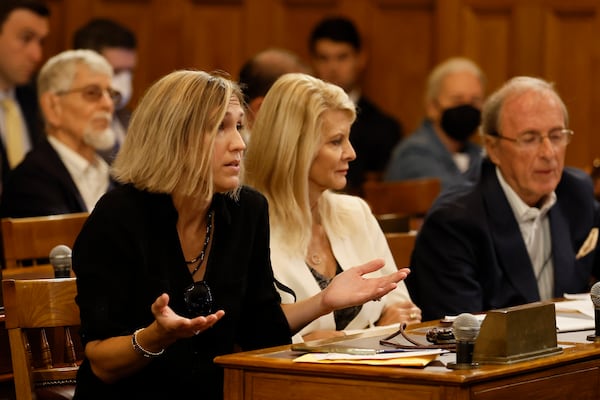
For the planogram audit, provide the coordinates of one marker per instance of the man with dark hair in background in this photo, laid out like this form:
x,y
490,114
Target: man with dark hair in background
x,y
118,45
23,26
337,57
259,73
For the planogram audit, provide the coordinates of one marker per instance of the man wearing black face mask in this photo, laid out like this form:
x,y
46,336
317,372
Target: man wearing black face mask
x,y
440,147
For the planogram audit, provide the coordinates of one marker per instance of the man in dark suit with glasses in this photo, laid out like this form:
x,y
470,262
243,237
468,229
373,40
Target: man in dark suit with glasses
x,y
527,228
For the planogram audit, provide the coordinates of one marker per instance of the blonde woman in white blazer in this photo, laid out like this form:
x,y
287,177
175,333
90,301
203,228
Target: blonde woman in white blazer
x,y
298,156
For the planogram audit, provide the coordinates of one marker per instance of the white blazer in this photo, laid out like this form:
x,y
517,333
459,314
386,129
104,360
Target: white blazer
x,y
362,246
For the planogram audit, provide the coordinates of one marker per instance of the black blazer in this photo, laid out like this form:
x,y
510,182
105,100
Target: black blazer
x,y
469,255
40,185
28,102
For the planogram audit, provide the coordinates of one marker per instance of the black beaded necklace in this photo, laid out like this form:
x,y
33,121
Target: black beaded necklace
x,y
200,258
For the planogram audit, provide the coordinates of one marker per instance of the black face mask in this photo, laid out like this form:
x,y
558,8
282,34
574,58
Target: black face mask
x,y
460,122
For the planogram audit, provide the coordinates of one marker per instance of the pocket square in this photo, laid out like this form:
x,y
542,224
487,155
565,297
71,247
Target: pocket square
x,y
589,244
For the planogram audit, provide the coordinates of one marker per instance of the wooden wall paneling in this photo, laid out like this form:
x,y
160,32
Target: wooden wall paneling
x,y
526,52
486,32
404,38
257,26
487,37
570,52
155,54
399,41
217,2
446,29
266,25
297,19
212,37
533,37
55,42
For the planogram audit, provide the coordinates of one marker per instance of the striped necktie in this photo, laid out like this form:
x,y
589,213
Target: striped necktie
x,y
15,148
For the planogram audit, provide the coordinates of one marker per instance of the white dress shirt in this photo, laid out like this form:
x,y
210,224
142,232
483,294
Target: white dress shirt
x,y
92,179
535,229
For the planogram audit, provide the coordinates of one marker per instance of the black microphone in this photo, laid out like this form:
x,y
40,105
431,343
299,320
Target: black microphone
x,y
466,329
595,295
60,258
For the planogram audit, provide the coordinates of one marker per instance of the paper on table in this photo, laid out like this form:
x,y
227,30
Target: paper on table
x,y
575,323
406,359
575,315
585,307
571,315
577,296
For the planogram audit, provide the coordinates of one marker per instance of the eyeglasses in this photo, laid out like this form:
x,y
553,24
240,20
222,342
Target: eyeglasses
x,y
532,140
198,299
411,344
94,93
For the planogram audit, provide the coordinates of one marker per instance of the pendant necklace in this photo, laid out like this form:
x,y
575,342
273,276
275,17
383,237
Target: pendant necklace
x,y
200,258
315,259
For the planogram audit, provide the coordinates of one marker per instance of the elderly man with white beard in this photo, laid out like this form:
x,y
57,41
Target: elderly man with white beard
x,y
64,173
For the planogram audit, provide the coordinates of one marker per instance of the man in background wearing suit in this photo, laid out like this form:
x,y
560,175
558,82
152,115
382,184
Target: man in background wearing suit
x,y
64,174
118,45
525,230
337,57
23,26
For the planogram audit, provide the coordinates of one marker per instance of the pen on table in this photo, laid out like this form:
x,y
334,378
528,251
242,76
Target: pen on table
x,y
346,350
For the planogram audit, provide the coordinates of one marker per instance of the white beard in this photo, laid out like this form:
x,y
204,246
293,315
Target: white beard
x,y
100,140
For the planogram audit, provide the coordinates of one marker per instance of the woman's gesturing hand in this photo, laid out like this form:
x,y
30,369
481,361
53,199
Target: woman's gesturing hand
x,y
351,287
175,326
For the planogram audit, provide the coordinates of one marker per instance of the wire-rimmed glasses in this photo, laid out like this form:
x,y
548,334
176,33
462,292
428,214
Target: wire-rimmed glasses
x,y
94,93
531,140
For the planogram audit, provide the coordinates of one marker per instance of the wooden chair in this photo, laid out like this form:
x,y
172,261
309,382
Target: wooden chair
x,y
401,245
412,197
393,222
40,316
28,240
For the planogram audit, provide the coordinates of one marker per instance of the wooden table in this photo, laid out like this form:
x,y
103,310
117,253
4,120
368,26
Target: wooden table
x,y
270,374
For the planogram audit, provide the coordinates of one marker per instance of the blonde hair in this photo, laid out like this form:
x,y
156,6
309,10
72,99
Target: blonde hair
x,y
169,142
285,139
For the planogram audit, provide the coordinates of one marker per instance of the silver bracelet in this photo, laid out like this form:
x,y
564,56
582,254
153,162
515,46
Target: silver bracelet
x,y
139,349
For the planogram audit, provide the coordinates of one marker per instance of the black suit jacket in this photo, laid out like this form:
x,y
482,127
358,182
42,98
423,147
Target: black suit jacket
x,y
40,185
373,136
469,255
28,102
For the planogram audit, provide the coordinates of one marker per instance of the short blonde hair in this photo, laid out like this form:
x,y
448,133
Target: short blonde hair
x,y
170,139
284,142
